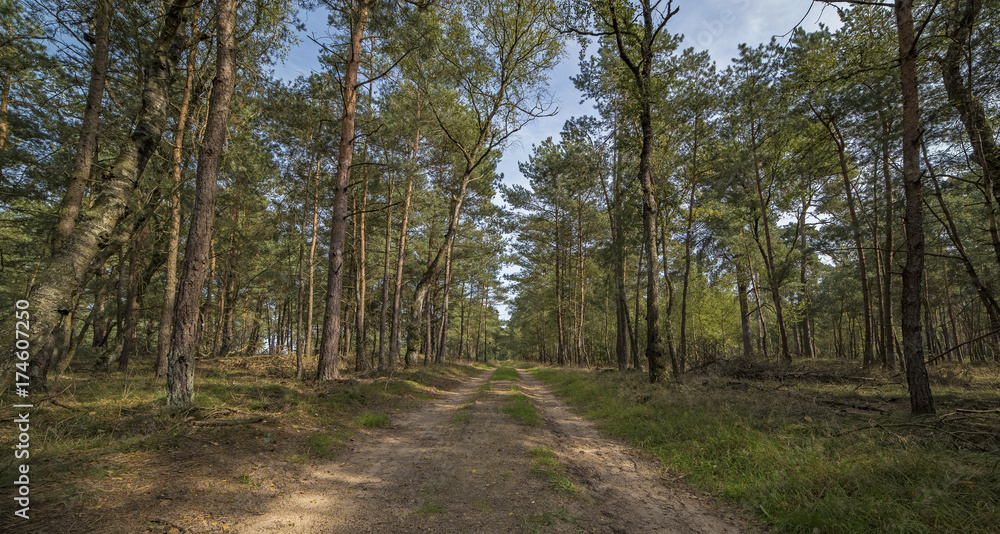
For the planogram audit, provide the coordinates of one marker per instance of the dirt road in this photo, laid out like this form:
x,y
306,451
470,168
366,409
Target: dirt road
x,y
460,464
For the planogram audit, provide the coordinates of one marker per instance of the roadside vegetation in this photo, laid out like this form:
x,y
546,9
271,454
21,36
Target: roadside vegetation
x,y
821,450
98,434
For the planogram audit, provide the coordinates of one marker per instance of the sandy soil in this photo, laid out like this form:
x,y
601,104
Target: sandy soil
x,y
459,464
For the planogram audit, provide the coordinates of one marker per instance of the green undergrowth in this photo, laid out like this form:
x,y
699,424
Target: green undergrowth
x,y
815,457
505,372
544,463
92,424
520,407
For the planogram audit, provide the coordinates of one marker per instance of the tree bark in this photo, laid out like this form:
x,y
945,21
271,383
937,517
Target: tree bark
x,y
921,400
87,143
888,332
360,286
384,312
183,338
397,296
961,95
834,130
742,282
61,281
772,274
312,269
173,240
330,342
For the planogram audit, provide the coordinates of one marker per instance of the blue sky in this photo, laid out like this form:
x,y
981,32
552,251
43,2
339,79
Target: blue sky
x,y
718,26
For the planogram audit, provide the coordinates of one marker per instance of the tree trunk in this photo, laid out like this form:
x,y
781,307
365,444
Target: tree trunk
x,y
330,342
888,332
183,339
173,240
742,282
397,296
668,320
424,285
312,269
61,281
772,275
961,95
683,352
921,400
442,339
360,285
135,257
87,143
383,315
866,296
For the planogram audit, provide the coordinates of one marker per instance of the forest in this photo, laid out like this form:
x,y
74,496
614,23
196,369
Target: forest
x,y
827,200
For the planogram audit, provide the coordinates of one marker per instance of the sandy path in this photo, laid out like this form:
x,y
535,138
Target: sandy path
x,y
459,464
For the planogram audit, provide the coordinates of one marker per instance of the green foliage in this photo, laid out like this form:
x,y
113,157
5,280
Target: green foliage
x,y
520,407
505,373
798,467
544,463
371,420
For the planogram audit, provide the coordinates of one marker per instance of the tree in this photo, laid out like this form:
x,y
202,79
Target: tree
x,y
495,63
70,266
183,340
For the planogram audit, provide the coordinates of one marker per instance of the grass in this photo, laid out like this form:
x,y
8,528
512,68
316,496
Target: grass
x,y
505,372
520,407
799,464
103,423
371,420
544,463
430,507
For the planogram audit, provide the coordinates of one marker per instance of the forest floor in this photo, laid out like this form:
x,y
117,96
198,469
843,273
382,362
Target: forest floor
x,y
467,452
820,446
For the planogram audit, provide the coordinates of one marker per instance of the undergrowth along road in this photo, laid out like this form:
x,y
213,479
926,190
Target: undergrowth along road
x,y
452,448
812,450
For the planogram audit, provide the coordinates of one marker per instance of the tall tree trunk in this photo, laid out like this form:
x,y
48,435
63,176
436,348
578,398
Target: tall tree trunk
x,y
461,325
442,338
668,320
921,400
613,204
173,240
183,340
742,281
866,296
888,332
62,279
982,290
330,342
642,72
360,285
383,314
135,261
425,282
772,274
654,347
397,296
482,309
87,143
312,269
560,316
962,96
683,352
634,331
